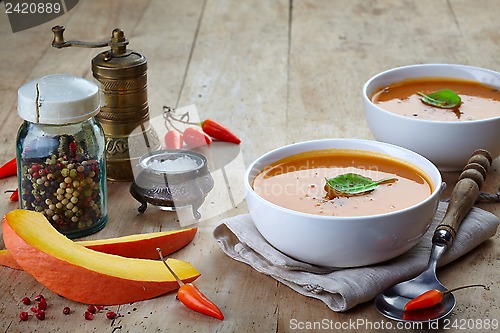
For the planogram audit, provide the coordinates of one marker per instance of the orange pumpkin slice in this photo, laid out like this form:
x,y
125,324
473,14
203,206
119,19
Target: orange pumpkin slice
x,y
141,246
81,274
7,260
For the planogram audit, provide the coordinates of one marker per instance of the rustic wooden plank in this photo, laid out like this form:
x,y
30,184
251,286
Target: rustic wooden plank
x,y
335,48
238,71
239,47
165,35
274,79
91,20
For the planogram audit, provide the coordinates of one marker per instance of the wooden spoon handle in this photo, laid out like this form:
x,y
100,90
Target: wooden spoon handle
x,y
466,191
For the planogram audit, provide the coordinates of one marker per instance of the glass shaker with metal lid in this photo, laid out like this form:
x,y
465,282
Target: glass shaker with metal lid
x,y
60,154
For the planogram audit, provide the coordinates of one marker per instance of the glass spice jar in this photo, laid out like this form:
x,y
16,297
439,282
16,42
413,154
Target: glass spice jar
x,y
60,154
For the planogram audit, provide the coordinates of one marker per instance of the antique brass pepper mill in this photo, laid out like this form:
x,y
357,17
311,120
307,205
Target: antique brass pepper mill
x,y
122,78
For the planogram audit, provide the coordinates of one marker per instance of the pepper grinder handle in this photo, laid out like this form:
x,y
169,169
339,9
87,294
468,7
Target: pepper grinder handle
x,y
465,193
118,42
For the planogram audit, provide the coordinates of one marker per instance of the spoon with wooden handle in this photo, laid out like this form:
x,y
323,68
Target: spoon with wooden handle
x,y
392,301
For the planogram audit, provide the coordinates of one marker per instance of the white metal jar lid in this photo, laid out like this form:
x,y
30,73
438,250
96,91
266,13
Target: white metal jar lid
x,y
58,99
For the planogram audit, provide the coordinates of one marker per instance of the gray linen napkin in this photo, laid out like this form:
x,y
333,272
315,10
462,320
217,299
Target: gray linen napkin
x,y
342,289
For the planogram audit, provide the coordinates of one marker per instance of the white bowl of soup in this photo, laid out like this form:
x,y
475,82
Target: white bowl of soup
x,y
397,113
292,210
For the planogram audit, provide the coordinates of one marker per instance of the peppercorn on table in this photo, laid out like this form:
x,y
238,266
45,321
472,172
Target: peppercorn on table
x,y
274,73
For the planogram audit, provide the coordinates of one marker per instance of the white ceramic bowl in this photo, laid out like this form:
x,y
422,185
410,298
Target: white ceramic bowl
x,y
447,144
342,241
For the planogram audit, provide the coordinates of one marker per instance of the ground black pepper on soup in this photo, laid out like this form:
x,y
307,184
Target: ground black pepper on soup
x,y
479,101
297,183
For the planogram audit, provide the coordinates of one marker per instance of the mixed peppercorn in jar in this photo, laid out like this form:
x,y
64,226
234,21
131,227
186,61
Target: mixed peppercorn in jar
x,y
64,186
60,153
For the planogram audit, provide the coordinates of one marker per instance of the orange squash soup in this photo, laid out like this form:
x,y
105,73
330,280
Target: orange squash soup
x,y
479,101
298,183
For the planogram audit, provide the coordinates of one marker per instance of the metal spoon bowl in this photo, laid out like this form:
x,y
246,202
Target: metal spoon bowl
x,y
392,301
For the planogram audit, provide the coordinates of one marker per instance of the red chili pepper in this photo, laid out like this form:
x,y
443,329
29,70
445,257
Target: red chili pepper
x,y
195,137
218,131
14,196
433,297
8,169
192,297
173,139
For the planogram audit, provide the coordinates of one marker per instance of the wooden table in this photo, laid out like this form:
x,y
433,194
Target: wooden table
x,y
275,72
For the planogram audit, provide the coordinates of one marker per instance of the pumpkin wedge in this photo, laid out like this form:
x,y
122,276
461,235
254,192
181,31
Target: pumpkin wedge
x,y
7,260
141,246
84,275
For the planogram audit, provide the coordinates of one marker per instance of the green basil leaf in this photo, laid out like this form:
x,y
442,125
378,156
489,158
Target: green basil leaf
x,y
350,184
444,99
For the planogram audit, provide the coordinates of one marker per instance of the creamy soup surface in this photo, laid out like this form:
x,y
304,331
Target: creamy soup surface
x,y
297,183
478,100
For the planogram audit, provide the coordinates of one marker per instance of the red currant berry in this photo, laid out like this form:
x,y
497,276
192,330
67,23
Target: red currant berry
x,y
99,307
92,309
111,315
42,305
88,315
38,298
23,316
34,309
26,301
66,310
40,315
